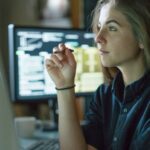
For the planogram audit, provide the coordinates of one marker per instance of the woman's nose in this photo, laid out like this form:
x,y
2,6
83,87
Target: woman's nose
x,y
100,38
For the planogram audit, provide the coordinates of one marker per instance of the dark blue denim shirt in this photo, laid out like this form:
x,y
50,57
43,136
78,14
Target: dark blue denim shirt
x,y
119,117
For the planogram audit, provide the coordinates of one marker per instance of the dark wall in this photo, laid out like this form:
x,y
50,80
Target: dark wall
x,y
21,12
4,18
89,5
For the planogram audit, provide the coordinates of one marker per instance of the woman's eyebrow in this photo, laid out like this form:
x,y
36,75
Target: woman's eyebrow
x,y
113,21
110,21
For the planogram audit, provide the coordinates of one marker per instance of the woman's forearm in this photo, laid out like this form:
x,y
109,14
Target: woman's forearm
x,y
71,137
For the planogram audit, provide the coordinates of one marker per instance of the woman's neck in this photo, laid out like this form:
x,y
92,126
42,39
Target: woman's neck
x,y
133,75
133,71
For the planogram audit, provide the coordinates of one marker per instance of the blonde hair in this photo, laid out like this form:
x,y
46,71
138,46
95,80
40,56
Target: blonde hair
x,y
138,14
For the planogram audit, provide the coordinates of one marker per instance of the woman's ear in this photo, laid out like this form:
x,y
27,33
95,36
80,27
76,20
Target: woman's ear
x,y
141,46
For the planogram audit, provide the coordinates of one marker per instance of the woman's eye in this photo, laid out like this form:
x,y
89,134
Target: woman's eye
x,y
112,28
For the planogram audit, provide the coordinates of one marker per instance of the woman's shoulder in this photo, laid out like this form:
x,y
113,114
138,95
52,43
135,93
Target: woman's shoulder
x,y
104,88
109,86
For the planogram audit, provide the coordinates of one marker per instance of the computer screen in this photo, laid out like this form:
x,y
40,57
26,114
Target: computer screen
x,y
29,47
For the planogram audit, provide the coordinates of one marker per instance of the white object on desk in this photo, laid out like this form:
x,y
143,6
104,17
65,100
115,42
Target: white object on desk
x,y
25,126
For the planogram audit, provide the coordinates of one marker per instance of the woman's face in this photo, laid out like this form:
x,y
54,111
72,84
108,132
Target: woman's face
x,y
115,39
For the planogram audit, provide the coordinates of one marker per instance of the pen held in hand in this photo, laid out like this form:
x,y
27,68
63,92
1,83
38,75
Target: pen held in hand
x,y
56,52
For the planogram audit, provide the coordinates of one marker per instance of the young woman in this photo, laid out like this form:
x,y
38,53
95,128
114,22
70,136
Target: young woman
x,y
119,115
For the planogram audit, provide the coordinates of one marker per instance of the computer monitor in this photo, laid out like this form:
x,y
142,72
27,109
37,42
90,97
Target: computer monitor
x,y
29,47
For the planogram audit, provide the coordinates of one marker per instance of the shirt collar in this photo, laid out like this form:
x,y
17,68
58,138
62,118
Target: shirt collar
x,y
133,90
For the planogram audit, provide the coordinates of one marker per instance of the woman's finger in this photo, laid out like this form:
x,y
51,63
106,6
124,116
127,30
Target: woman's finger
x,y
56,60
49,64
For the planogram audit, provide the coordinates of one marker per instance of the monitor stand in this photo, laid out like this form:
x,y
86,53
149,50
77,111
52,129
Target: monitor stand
x,y
53,125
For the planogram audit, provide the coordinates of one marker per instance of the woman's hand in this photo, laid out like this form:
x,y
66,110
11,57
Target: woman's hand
x,y
61,66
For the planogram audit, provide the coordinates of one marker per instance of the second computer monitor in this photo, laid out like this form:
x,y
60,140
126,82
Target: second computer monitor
x,y
30,46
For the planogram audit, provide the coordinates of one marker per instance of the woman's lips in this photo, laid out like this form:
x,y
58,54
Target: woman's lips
x,y
103,52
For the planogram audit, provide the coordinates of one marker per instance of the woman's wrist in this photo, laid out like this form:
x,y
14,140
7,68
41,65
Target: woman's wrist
x,y
65,88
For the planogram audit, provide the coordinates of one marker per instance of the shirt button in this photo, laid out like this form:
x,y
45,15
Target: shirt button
x,y
115,139
125,110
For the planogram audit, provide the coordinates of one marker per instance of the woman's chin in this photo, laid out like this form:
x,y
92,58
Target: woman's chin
x,y
106,64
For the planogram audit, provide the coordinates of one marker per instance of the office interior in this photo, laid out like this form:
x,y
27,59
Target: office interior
x,y
45,13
